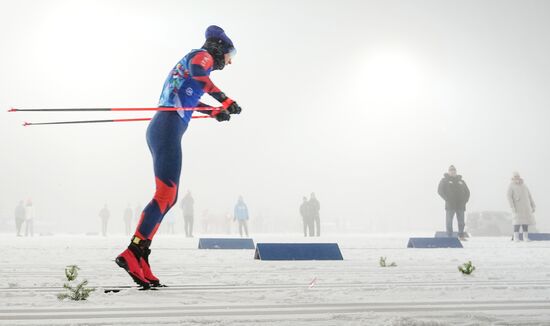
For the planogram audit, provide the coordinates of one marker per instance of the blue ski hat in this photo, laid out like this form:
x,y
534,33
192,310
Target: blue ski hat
x,y
216,32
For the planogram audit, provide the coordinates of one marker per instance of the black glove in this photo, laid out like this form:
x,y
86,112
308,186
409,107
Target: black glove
x,y
223,116
234,108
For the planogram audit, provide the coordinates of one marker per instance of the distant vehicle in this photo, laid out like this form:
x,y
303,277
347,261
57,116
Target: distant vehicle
x,y
491,224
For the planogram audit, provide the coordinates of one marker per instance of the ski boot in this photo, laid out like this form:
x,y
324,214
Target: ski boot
x,y
130,261
144,263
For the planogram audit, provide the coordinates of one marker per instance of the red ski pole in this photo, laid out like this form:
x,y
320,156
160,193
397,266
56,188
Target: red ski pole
x,y
206,108
25,124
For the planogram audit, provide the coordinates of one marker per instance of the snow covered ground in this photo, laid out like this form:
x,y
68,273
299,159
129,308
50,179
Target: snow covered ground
x,y
511,285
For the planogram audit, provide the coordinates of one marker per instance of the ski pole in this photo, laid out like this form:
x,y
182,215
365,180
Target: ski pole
x,y
25,124
206,108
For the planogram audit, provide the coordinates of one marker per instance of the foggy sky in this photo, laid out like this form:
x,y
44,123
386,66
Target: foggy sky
x,y
365,103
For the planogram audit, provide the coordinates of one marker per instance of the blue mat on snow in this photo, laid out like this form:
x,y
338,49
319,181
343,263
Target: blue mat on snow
x,y
225,243
298,251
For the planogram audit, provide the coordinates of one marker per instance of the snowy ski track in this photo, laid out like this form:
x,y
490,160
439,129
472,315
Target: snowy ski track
x,y
218,287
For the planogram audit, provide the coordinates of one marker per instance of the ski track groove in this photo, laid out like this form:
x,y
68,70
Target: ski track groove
x,y
440,307
542,284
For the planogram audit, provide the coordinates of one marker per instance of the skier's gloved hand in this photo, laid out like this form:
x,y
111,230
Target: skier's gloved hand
x,y
234,108
222,116
231,106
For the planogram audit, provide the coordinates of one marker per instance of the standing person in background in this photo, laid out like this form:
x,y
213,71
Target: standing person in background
x,y
456,194
170,220
240,214
29,218
137,213
187,205
128,214
307,219
19,217
522,205
314,208
104,214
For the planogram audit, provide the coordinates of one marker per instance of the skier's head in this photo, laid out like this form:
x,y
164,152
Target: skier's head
x,y
220,46
452,171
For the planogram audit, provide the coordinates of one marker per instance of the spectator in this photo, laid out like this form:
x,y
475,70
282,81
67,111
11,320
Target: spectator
x,y
19,217
314,208
307,219
240,214
522,205
170,220
187,205
104,214
29,219
137,213
456,194
128,214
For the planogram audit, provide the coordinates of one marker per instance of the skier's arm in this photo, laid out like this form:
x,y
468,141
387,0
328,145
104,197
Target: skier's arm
x,y
202,105
200,69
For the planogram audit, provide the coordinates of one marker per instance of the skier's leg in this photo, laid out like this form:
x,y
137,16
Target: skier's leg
x,y
245,223
191,221
305,226
241,228
164,139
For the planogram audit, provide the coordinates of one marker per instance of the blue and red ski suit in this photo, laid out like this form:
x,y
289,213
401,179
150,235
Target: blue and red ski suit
x,y
184,86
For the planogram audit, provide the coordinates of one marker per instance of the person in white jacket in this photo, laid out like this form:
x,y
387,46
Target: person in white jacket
x,y
522,205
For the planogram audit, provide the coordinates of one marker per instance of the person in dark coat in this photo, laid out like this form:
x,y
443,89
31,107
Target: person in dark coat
x,y
456,194
187,205
127,217
20,216
314,208
307,219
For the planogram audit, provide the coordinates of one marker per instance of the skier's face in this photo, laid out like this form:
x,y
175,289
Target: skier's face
x,y
452,172
227,58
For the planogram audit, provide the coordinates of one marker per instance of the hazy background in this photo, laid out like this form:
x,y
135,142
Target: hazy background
x,y
364,102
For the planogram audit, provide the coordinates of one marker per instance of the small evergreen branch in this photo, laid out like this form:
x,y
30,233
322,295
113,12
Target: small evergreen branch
x,y
71,272
467,268
383,263
78,292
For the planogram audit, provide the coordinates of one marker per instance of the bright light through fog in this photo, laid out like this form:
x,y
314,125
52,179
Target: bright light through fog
x,y
392,77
